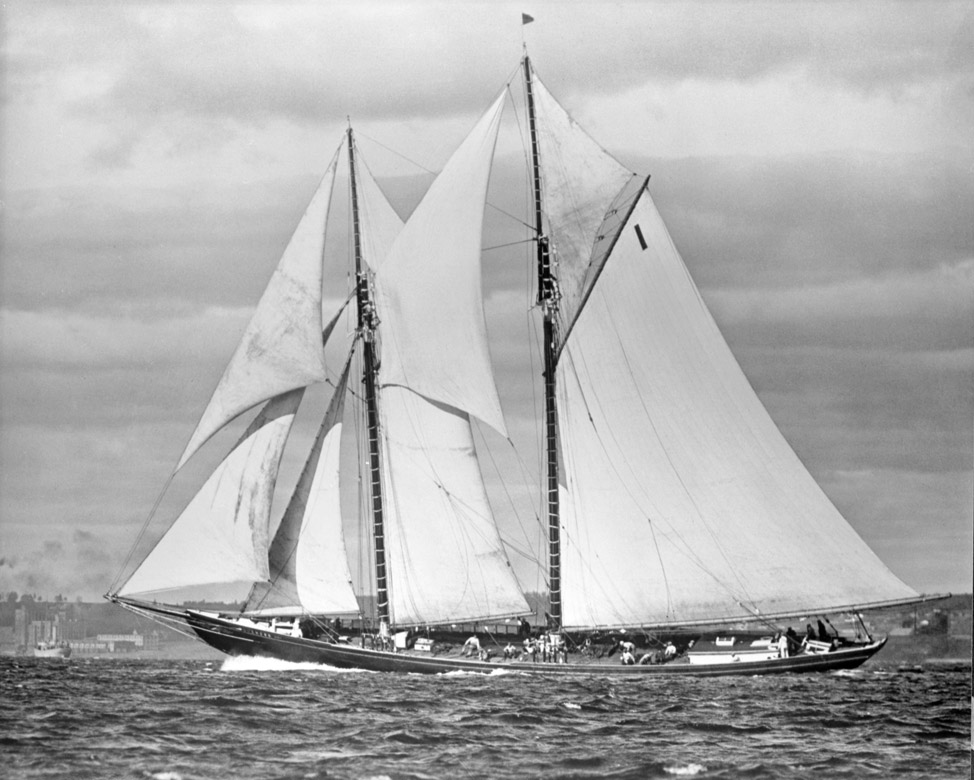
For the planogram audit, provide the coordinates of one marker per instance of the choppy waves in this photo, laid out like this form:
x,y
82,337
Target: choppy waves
x,y
268,719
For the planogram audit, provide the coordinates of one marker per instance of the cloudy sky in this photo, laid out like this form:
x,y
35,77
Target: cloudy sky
x,y
815,164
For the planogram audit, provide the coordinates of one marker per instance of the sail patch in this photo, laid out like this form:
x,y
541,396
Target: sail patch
x,y
639,235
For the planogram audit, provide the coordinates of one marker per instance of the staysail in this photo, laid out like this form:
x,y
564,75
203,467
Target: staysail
x,y
429,287
309,571
681,501
446,561
222,534
281,347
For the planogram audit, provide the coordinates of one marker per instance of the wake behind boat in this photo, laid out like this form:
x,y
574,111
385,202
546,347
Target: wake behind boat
x,y
672,502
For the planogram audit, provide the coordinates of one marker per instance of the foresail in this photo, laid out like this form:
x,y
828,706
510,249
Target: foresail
x,y
446,562
309,571
434,338
682,501
582,183
281,348
222,535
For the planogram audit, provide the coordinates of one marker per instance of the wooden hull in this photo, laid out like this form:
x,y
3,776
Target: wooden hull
x,y
236,640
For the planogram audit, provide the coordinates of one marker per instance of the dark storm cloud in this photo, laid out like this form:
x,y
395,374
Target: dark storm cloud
x,y
96,248
864,408
863,45
774,222
211,63
151,252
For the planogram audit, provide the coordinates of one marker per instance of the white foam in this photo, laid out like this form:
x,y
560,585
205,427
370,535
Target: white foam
x,y
248,663
495,672
688,770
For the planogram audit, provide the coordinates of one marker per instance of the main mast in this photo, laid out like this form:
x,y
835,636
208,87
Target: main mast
x,y
366,327
548,300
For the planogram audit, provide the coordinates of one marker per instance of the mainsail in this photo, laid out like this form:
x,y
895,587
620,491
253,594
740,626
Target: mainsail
x,y
309,571
222,534
681,501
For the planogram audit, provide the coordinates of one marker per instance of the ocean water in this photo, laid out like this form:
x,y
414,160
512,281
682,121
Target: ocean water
x,y
249,718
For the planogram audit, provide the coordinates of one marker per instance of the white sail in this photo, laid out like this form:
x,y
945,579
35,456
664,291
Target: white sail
x,y
580,181
309,571
222,535
445,559
281,348
380,224
682,500
429,287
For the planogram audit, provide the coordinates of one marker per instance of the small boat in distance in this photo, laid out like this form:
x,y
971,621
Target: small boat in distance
x,y
673,504
52,650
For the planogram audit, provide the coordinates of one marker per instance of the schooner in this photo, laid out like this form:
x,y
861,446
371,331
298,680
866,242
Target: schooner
x,y
672,501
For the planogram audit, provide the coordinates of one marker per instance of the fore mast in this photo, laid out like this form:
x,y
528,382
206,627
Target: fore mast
x,y
367,322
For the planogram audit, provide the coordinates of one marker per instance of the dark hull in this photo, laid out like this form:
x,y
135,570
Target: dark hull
x,y
236,640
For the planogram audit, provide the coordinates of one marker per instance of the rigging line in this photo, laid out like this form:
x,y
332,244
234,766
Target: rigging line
x,y
172,623
679,477
662,567
601,582
456,501
522,133
419,433
530,486
510,78
521,130
362,161
464,531
360,134
637,501
569,452
497,471
508,214
759,618
510,499
152,513
687,550
525,554
306,518
510,243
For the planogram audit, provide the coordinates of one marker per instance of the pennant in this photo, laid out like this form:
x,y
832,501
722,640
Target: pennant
x,y
525,19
